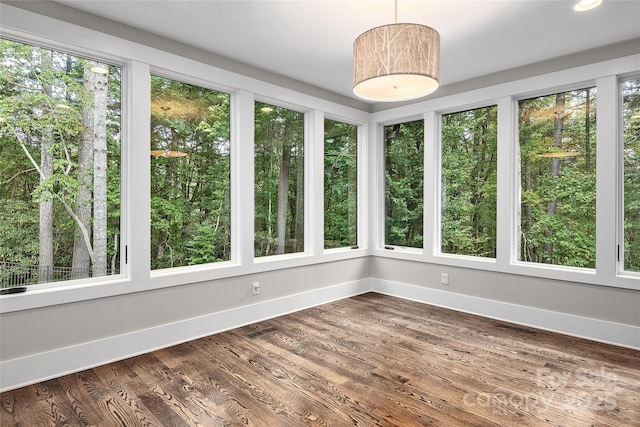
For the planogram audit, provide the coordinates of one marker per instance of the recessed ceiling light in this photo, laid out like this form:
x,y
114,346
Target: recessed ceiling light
x,y
583,5
266,109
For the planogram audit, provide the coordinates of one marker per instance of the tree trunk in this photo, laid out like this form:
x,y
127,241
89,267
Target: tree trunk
x,y
284,164
587,131
555,166
525,255
45,254
299,219
100,89
81,253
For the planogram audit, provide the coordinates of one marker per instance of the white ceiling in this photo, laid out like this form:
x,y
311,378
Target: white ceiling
x,y
311,41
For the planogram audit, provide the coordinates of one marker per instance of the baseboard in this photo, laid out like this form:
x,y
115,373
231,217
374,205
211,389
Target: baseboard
x,y
597,330
52,364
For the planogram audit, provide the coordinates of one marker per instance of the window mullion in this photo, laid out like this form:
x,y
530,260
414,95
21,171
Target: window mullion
x,y
508,200
432,168
139,171
242,178
607,200
314,183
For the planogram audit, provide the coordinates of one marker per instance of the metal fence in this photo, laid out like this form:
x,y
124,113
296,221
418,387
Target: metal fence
x,y
18,274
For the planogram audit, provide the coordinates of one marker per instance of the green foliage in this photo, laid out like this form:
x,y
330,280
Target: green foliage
x,y
340,184
42,98
404,176
558,190
631,162
279,167
190,198
469,182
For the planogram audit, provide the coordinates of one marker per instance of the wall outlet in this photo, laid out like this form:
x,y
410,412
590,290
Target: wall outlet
x,y
255,290
444,278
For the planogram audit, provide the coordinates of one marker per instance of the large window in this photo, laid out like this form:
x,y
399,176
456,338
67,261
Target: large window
x,y
558,172
190,169
631,168
404,183
340,184
469,178
59,166
279,180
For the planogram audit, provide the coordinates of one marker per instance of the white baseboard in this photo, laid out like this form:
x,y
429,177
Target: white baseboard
x,y
52,364
55,363
597,330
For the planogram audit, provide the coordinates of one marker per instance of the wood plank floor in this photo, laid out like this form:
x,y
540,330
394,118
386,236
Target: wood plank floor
x,y
370,360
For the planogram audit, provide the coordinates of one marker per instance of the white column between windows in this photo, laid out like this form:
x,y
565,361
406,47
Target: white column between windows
x,y
508,186
137,177
608,200
314,183
432,168
242,177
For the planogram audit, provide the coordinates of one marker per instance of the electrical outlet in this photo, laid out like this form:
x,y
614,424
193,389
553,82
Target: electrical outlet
x,y
444,278
256,288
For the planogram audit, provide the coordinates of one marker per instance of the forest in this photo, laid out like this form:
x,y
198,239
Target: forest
x,y
60,174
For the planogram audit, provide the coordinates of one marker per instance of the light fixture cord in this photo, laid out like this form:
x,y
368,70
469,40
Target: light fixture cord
x,y
395,16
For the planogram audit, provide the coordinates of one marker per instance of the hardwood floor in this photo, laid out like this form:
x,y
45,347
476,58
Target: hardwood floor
x,y
370,360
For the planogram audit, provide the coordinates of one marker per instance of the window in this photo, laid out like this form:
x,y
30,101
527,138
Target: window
x,y
279,180
404,167
469,179
340,184
558,178
190,174
59,166
631,170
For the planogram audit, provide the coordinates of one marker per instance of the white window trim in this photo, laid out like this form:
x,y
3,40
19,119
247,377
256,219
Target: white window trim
x,y
360,185
139,62
605,75
620,181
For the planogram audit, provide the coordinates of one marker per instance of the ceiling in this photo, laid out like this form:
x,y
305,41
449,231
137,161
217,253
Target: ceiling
x,y
311,41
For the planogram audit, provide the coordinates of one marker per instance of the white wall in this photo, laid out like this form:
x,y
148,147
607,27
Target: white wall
x,y
601,313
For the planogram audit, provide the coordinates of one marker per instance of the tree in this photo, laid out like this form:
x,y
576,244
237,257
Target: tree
x,y
42,91
469,182
558,178
190,170
279,180
340,184
404,168
98,86
631,165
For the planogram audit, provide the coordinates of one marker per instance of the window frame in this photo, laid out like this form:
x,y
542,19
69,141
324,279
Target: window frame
x,y
517,181
359,182
17,36
437,249
138,62
205,84
382,245
604,76
620,205
308,129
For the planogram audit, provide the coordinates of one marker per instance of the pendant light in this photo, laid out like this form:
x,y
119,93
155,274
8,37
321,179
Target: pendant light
x,y
396,62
